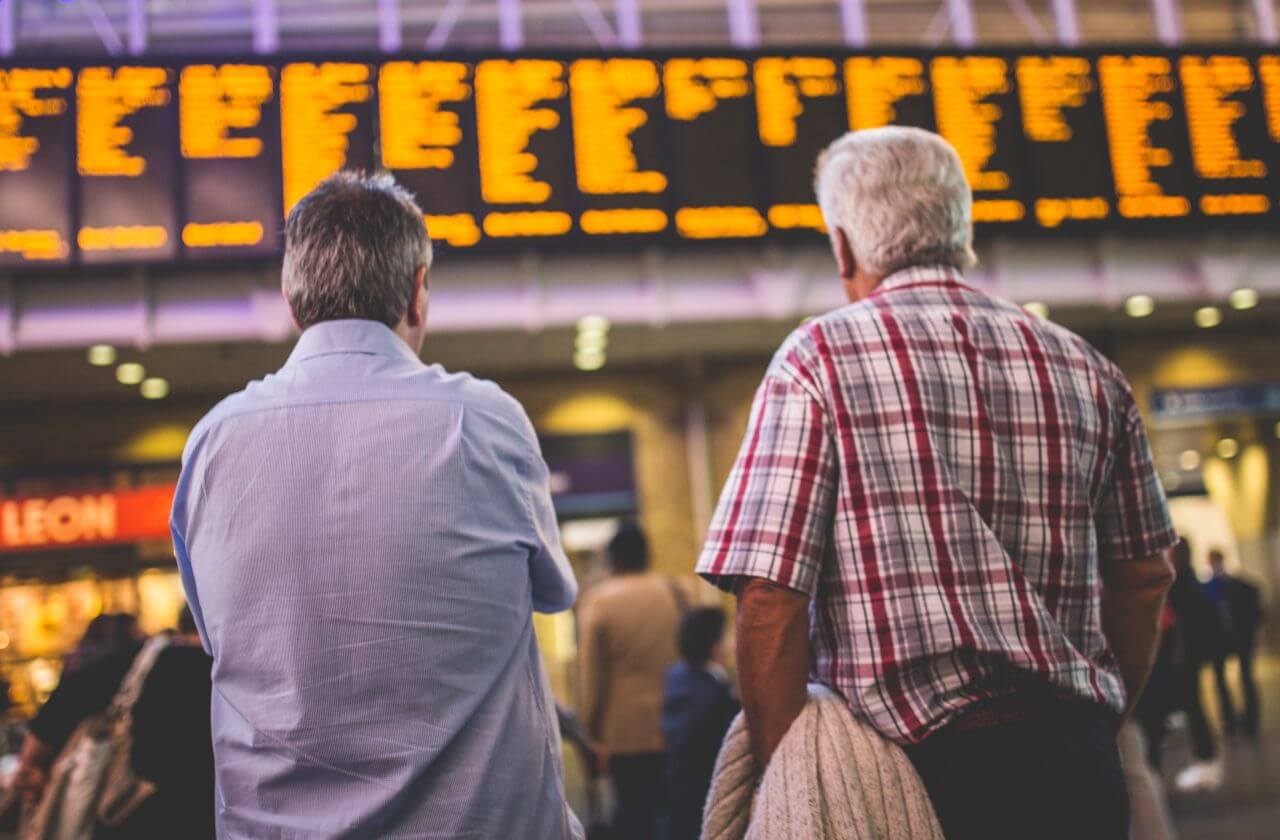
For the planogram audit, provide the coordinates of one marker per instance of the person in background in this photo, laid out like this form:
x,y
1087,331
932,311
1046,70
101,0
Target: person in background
x,y
106,635
627,639
363,539
1240,605
90,679
1202,638
960,496
172,744
697,708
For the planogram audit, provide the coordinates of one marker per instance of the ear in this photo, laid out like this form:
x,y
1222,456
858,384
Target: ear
x,y
417,313
845,262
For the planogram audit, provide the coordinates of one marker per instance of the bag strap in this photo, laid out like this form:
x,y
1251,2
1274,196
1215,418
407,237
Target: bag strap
x,y
679,596
131,688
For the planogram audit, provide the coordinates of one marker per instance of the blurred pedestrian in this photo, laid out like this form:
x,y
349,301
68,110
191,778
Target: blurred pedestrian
x,y
1202,638
1240,605
172,742
363,540
961,497
91,676
627,639
106,635
697,708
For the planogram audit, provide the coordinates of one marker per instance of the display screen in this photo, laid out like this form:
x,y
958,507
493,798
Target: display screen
x,y
126,154
228,127
35,165
142,162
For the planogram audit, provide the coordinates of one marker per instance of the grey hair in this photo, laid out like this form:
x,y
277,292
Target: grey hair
x,y
352,248
900,196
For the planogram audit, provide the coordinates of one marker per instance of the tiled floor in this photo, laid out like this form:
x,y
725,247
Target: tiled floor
x,y
1248,805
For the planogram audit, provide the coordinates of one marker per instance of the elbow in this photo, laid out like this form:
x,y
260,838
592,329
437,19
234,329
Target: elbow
x,y
556,598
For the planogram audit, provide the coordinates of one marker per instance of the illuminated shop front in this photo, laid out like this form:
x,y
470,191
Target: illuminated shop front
x,y
68,555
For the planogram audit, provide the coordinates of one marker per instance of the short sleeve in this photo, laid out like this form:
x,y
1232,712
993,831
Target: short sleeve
x,y
1132,519
774,516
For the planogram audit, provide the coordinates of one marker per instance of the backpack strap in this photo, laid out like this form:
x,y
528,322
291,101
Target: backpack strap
x,y
131,688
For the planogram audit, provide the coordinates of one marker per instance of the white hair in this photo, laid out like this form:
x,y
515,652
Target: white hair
x,y
900,196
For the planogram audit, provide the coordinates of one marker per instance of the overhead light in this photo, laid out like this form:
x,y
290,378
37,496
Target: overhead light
x,y
130,373
597,324
591,342
1189,459
1228,448
101,355
1243,298
588,360
1208,316
1139,306
1037,308
154,388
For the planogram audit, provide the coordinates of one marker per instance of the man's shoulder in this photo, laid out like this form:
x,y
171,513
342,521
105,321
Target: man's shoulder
x,y
430,383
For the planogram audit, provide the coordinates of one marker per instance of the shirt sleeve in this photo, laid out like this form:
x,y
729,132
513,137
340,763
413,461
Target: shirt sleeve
x,y
555,587
1132,519
774,516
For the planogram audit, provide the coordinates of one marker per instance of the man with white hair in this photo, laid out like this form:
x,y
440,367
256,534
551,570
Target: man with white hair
x,y
362,539
945,509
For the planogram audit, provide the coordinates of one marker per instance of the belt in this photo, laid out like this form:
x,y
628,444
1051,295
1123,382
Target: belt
x,y
998,711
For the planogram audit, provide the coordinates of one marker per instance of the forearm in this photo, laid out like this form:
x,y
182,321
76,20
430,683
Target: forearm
x,y
773,660
1132,602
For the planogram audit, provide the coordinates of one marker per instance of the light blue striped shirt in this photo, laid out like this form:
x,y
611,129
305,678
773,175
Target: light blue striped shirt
x,y
363,539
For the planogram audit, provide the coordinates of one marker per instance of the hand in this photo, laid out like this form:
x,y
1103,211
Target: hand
x,y
597,756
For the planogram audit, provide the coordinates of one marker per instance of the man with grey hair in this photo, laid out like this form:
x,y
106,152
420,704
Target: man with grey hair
x,y
362,539
945,509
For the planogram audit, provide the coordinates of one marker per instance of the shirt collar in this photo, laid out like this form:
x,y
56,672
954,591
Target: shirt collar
x,y
921,275
350,336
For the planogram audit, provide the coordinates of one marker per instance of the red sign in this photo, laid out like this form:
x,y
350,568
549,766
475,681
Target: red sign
x,y
78,519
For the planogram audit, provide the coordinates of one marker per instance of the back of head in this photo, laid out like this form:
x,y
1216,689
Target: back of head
x,y
353,246
900,196
628,551
700,631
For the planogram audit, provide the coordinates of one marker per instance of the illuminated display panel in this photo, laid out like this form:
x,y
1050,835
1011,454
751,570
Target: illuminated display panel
x,y
228,130
1231,152
427,118
976,109
35,165
105,163
126,150
326,123
525,144
1147,136
714,187
1065,139
799,110
617,110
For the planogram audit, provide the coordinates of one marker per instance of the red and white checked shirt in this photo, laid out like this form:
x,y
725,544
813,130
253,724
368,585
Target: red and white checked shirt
x,y
944,474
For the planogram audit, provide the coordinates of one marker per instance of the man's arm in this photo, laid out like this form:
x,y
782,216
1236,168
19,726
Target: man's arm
x,y
1132,601
773,660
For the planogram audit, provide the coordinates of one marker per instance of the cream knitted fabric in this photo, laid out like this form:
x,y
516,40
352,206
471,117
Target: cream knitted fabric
x,y
832,778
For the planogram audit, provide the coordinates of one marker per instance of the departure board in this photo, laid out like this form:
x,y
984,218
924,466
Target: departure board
x,y
799,109
130,161
525,144
35,171
126,153
227,133
715,193
1065,139
327,123
617,109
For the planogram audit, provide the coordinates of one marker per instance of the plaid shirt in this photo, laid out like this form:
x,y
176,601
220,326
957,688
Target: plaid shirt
x,y
944,474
